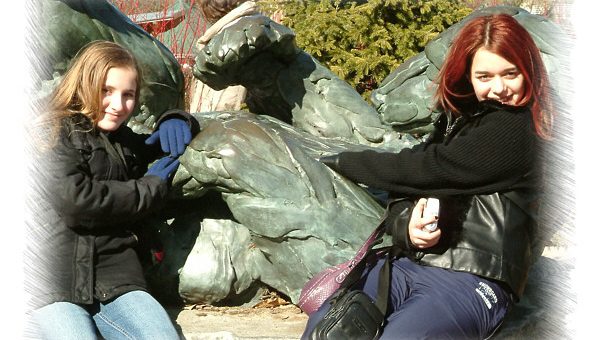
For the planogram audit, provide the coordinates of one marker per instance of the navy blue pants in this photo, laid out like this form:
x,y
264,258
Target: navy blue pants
x,y
433,303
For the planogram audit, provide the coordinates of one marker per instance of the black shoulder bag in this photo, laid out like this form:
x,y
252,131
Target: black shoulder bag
x,y
353,315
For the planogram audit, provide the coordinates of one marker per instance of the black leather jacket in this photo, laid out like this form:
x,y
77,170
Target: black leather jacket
x,y
488,230
490,235
94,195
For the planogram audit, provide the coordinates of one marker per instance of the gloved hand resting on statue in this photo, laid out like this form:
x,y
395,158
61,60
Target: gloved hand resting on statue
x,y
164,168
174,135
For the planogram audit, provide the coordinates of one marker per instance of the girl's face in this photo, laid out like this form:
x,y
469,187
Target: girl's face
x,y
118,98
494,77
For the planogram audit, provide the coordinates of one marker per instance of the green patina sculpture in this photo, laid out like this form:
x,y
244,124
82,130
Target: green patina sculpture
x,y
259,209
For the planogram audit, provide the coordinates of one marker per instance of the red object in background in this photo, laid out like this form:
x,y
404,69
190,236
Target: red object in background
x,y
161,18
158,22
175,23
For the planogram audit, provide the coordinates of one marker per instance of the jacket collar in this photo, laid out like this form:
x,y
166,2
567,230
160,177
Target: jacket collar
x,y
483,107
487,106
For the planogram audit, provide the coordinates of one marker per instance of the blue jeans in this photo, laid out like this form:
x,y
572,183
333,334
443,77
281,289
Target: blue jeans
x,y
133,315
432,303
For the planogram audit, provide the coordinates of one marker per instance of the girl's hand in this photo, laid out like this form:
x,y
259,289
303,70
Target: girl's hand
x,y
420,237
164,168
174,135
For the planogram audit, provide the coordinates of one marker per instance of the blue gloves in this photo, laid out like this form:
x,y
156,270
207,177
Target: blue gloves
x,y
164,168
174,134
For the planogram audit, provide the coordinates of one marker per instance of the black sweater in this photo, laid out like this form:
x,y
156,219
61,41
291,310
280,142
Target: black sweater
x,y
493,150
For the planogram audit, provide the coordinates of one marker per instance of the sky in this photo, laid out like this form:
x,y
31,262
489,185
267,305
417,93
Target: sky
x,y
585,14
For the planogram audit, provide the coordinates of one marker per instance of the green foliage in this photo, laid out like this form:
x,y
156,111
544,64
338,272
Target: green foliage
x,y
363,43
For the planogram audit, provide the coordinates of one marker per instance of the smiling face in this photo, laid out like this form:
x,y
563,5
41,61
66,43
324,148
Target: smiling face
x,y
118,98
495,78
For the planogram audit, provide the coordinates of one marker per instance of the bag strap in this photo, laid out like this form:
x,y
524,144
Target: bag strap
x,y
374,239
376,236
359,263
383,285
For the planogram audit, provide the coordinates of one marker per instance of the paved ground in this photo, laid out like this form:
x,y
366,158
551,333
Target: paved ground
x,y
240,323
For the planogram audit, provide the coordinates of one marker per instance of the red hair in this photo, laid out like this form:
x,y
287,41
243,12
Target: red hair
x,y
503,35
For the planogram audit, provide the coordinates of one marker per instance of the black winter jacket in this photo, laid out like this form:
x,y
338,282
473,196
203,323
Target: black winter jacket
x,y
484,169
96,193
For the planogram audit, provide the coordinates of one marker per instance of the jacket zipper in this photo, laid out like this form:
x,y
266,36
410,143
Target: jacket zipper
x,y
450,127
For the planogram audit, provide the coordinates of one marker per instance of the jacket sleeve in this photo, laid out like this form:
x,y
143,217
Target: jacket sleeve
x,y
492,156
86,202
396,225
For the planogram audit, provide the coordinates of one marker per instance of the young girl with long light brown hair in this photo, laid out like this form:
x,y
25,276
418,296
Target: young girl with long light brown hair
x,y
97,189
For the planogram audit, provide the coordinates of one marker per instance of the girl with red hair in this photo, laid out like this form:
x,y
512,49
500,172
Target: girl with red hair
x,y
460,280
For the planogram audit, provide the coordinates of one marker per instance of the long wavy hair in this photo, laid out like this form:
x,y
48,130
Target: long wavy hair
x,y
503,35
80,90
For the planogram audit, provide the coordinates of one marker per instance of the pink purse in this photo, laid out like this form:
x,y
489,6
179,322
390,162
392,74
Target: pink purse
x,y
326,282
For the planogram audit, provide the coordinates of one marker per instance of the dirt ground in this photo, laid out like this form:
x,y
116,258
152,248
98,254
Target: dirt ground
x,y
209,322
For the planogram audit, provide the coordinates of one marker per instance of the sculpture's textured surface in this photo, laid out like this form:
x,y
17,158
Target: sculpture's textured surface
x,y
275,215
287,205
287,83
